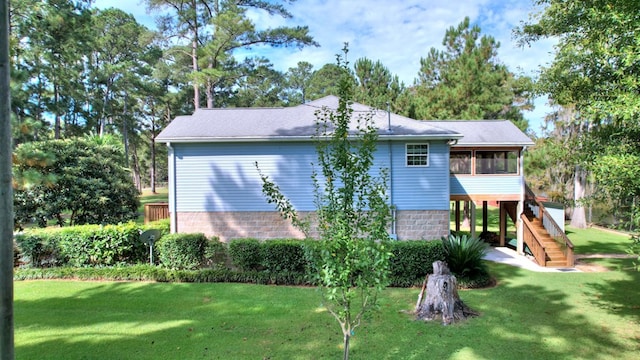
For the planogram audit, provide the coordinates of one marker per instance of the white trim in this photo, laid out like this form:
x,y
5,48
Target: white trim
x,y
406,154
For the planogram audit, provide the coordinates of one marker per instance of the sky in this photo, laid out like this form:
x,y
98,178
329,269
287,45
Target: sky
x,y
398,33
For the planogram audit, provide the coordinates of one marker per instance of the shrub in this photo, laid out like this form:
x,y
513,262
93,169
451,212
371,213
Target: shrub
x,y
38,248
164,225
182,251
464,255
216,253
412,261
283,256
101,245
245,254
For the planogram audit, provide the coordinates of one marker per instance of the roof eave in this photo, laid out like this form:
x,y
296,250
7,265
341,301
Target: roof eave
x,y
299,138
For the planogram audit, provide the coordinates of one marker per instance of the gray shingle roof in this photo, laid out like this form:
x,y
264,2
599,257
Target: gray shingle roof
x,y
485,132
292,123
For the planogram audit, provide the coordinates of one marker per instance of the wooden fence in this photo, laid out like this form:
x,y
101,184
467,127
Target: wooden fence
x,y
155,211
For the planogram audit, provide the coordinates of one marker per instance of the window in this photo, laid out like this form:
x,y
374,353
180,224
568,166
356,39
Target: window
x,y
460,162
497,162
417,154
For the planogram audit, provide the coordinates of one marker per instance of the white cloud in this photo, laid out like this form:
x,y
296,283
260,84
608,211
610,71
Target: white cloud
x,y
398,33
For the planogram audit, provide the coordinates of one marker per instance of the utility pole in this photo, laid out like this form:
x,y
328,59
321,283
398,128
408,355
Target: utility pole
x,y
6,193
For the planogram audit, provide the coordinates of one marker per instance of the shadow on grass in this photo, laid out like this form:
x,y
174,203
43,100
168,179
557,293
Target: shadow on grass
x,y
174,321
518,321
620,296
526,316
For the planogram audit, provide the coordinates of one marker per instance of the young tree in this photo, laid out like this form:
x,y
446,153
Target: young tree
x,y
353,212
467,81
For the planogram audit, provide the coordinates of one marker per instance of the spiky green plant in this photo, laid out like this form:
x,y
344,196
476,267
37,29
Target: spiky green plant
x,y
464,255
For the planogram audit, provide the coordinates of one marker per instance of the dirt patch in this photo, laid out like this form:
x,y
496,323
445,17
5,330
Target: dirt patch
x,y
589,267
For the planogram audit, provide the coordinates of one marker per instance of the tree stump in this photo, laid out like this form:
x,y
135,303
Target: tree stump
x,y
442,299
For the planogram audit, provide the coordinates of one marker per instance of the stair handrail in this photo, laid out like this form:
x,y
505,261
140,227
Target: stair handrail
x,y
556,233
531,238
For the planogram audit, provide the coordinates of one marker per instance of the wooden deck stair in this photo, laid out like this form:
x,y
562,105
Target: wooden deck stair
x,y
549,249
554,256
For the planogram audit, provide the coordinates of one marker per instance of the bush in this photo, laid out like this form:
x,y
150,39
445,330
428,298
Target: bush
x,y
245,254
412,261
216,253
164,225
101,245
464,255
182,251
283,256
38,248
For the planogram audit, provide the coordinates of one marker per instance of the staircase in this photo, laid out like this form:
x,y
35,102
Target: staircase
x,y
548,243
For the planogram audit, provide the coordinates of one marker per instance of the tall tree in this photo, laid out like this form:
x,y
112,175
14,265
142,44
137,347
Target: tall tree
x,y
467,81
324,81
298,80
51,39
596,70
376,86
6,194
217,28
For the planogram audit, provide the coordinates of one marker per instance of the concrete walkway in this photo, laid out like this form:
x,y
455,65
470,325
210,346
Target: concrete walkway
x,y
509,256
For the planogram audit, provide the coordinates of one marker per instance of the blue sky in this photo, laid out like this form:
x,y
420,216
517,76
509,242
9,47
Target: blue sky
x,y
398,33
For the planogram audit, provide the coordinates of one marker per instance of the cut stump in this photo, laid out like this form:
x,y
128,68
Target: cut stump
x,y
442,299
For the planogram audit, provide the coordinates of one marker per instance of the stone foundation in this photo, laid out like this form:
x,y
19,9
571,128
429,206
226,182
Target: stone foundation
x,y
410,224
422,224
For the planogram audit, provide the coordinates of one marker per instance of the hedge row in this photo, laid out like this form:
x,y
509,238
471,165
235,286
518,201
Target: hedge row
x,y
85,245
99,252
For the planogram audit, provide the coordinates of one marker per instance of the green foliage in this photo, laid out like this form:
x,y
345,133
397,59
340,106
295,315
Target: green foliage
x,y
283,256
595,65
245,254
101,245
38,249
86,245
216,253
464,255
466,81
412,261
182,251
78,177
352,210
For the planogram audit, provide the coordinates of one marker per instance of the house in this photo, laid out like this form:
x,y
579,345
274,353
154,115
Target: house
x,y
215,188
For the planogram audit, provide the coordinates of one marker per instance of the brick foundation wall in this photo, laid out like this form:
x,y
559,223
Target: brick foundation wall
x,y
411,224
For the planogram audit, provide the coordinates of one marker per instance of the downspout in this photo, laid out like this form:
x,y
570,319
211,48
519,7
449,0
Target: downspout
x,y
393,235
172,189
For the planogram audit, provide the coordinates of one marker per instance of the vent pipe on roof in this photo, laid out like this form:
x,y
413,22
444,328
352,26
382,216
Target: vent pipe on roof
x,y
389,118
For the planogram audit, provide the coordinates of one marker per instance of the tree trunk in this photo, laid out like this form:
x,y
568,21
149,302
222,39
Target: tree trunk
x,y
6,194
442,299
578,219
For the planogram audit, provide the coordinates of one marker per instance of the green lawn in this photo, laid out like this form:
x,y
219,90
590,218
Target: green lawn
x,y
596,241
527,316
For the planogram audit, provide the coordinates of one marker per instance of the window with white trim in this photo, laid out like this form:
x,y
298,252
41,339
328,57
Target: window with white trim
x,y
417,154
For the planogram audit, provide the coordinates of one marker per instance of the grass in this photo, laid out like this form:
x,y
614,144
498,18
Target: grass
x,y
596,241
161,195
527,316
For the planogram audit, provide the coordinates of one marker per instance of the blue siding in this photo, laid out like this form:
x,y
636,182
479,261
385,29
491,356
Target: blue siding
x,y
421,188
223,177
486,185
